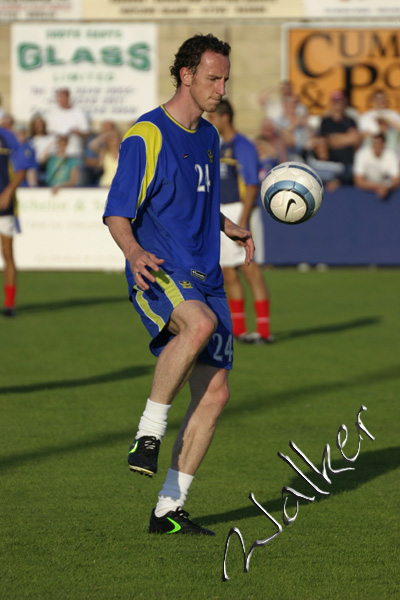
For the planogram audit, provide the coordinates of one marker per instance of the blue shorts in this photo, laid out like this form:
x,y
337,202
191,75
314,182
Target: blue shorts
x,y
156,304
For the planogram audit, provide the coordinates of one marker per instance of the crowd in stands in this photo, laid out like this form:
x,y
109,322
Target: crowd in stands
x,y
342,146
63,150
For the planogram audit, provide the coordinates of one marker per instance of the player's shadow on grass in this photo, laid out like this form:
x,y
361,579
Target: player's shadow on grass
x,y
33,456
334,328
126,373
369,465
295,395
69,303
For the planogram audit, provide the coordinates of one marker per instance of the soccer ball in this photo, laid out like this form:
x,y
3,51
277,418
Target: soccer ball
x,y
292,192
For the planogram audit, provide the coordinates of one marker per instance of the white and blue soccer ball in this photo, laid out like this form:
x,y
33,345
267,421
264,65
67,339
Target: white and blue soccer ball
x,y
292,192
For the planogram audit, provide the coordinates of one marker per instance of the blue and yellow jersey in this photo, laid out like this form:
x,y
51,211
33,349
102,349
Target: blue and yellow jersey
x,y
167,184
239,167
12,159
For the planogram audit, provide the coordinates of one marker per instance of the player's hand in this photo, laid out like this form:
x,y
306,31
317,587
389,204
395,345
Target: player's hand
x,y
242,237
142,263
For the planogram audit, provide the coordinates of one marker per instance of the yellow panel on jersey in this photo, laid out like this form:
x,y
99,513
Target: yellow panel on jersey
x,y
169,286
152,138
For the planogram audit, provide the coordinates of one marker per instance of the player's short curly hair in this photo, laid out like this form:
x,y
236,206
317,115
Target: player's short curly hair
x,y
190,53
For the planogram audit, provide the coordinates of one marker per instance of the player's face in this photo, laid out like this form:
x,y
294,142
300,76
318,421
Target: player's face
x,y
208,85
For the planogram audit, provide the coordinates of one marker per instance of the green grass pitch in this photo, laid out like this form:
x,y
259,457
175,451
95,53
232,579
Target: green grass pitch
x,y
75,372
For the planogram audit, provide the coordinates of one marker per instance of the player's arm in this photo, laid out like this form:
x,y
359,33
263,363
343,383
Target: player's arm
x,y
239,235
6,195
141,261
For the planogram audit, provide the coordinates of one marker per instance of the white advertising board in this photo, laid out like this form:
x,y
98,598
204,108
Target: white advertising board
x,y
50,10
339,9
64,231
110,70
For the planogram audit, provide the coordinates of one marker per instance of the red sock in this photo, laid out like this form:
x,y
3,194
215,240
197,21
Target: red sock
x,y
236,308
9,296
261,308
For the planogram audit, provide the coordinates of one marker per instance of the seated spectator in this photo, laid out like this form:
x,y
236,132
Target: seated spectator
x,y
381,119
66,119
62,171
376,168
341,133
317,156
106,146
41,142
293,127
31,173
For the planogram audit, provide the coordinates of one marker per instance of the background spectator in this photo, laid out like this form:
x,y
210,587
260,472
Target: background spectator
x,y
68,120
41,142
293,127
341,133
62,171
106,147
273,100
381,119
376,168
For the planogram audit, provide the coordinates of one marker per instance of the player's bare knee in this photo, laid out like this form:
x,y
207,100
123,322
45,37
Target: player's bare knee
x,y
205,327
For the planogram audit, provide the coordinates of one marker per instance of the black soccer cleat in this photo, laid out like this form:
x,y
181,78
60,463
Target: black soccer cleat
x,y
143,455
176,521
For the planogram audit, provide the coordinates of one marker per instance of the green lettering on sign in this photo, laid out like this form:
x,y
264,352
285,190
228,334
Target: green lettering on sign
x,y
82,55
29,56
111,55
139,56
52,58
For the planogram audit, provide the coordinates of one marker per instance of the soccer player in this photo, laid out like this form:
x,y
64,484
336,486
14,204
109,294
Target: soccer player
x,y
13,165
163,210
240,193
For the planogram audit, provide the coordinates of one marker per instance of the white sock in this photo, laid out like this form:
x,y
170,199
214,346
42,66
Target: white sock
x,y
154,420
174,492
